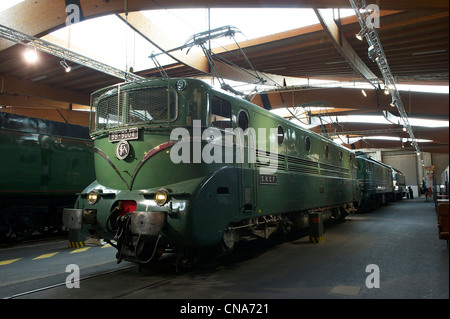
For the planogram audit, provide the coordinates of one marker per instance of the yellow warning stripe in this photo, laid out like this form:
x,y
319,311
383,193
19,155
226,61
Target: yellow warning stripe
x,y
77,244
46,256
316,239
10,261
79,250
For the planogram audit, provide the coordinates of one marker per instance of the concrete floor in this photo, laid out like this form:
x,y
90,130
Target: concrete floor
x,y
400,239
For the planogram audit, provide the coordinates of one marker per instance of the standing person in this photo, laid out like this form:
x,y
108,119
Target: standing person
x,y
411,195
424,190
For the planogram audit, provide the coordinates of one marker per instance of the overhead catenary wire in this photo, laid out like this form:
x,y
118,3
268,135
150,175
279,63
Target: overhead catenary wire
x,y
201,39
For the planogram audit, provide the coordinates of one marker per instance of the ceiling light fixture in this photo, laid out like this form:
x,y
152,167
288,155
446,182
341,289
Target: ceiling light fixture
x,y
428,52
364,93
361,34
38,78
388,87
376,54
373,54
31,55
65,66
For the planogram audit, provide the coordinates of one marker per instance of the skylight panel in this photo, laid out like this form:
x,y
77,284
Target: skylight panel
x,y
8,4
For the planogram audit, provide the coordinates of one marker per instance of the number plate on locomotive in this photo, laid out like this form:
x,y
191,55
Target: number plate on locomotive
x,y
268,179
125,135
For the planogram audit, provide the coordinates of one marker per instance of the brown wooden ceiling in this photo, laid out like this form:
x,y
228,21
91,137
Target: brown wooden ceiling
x,y
414,35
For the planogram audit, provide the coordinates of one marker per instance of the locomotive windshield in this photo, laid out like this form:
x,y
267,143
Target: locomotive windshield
x,y
120,107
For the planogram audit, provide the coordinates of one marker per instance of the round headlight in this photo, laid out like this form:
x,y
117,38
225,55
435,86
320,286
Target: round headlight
x,y
93,197
181,85
162,197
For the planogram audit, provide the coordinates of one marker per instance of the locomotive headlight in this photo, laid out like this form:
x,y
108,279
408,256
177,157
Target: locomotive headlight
x,y
93,197
162,197
181,85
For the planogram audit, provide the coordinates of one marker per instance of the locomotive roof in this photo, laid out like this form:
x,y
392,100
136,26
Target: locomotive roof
x,y
40,126
253,107
368,158
262,111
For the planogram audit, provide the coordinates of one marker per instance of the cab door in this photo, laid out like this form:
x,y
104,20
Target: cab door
x,y
247,176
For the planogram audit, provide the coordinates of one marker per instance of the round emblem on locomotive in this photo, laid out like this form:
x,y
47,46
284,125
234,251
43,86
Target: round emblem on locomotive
x,y
122,150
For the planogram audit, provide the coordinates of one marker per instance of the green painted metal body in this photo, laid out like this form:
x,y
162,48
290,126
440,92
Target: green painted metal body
x,y
399,182
44,164
374,177
207,197
41,160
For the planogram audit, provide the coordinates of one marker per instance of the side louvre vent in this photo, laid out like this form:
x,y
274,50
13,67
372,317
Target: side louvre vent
x,y
302,166
264,159
299,165
334,171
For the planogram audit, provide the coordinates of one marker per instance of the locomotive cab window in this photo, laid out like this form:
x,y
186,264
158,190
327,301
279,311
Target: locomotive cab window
x,y
327,151
152,105
120,107
307,144
280,135
243,120
220,115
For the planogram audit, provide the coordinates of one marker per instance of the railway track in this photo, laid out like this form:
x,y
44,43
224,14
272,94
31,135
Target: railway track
x,y
111,281
116,283
61,284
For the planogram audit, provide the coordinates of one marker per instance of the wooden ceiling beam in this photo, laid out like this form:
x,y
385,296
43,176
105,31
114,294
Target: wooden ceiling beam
x,y
343,47
152,33
419,103
38,18
158,37
14,100
10,84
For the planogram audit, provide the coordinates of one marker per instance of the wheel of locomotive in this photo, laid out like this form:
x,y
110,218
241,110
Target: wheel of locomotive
x,y
343,213
228,241
5,234
21,227
286,226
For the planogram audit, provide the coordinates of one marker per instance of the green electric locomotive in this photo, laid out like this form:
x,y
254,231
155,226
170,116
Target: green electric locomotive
x,y
399,183
375,181
44,165
182,164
